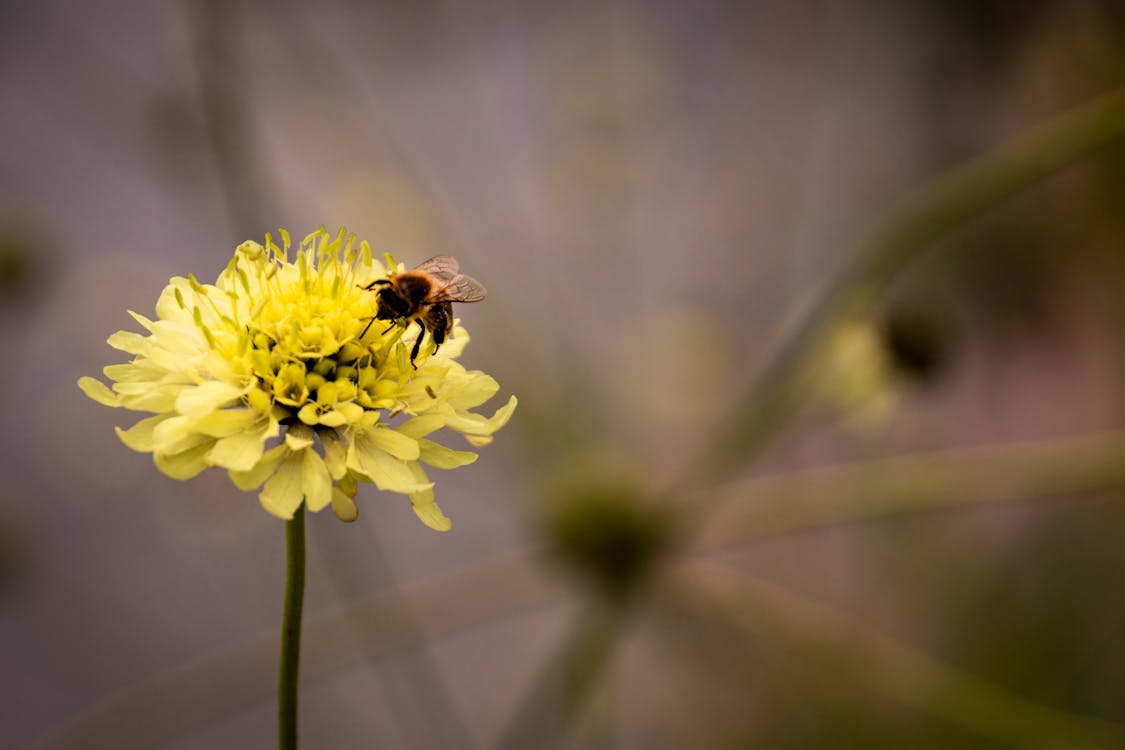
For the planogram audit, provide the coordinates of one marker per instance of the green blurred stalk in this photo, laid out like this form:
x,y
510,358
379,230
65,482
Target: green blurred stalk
x,y
791,502
552,704
753,608
291,631
179,701
219,46
934,211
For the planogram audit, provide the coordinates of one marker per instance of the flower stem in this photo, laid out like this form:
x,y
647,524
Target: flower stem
x,y
935,210
291,631
555,700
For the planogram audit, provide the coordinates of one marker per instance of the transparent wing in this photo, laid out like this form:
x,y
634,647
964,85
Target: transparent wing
x,y
460,289
441,267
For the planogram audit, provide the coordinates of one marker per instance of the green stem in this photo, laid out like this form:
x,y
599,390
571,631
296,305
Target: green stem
x,y
556,698
934,211
180,700
291,631
791,502
839,645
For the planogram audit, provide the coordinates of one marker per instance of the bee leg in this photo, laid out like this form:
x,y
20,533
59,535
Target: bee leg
x,y
366,327
439,337
417,344
440,319
371,320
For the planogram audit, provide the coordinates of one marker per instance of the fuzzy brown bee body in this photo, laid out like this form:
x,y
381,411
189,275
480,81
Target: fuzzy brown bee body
x,y
425,294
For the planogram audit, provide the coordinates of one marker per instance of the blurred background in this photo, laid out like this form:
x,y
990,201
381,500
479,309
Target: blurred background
x,y
929,552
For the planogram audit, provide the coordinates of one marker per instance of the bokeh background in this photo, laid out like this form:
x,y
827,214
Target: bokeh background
x,y
930,554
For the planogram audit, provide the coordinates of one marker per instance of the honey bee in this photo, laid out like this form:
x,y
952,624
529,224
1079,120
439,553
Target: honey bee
x,y
425,294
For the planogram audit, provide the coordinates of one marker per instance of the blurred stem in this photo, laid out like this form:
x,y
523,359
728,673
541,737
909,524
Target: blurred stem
x,y
291,631
416,672
935,210
550,706
870,490
183,699
756,609
223,94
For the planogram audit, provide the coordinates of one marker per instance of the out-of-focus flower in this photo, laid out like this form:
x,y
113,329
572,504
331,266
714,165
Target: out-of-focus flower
x,y
270,374
857,378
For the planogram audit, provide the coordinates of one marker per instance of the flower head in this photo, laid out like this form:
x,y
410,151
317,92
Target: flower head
x,y
273,374
856,377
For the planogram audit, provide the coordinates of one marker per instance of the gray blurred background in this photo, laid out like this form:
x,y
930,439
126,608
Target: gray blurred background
x,y
651,192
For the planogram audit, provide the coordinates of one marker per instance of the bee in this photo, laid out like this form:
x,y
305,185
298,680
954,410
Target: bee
x,y
425,294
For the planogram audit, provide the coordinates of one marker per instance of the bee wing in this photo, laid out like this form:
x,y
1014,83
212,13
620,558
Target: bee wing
x,y
460,288
441,267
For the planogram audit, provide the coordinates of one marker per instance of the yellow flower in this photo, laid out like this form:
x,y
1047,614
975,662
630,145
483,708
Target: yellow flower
x,y
857,377
264,374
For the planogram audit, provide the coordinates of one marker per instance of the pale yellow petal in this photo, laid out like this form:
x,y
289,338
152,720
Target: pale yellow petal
x,y
171,358
180,336
201,400
335,454
421,426
252,478
98,391
473,391
185,464
240,451
352,411
140,436
502,415
130,342
331,418
430,514
176,434
139,375
308,414
425,506
316,483
145,322
226,422
474,424
299,436
386,471
393,442
167,306
440,457
283,492
159,399
139,371
343,506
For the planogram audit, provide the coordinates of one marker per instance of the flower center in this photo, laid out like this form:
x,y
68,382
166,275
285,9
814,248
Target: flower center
x,y
301,346
296,377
